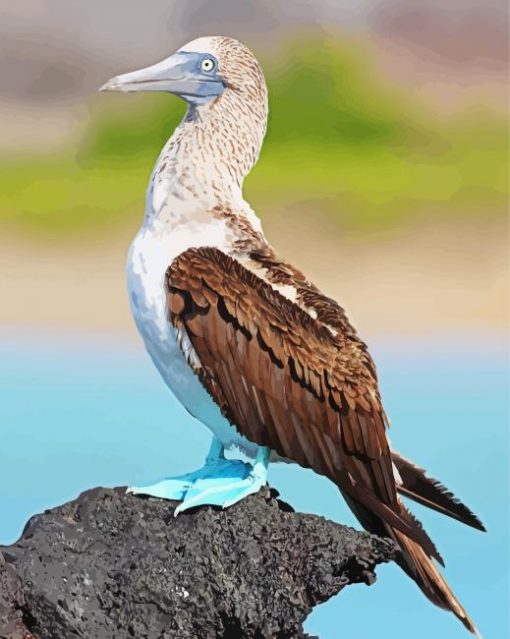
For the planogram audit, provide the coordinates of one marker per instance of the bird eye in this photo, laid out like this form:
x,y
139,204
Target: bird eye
x,y
207,65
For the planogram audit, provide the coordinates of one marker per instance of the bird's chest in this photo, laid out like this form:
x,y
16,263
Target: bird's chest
x,y
147,262
152,252
150,255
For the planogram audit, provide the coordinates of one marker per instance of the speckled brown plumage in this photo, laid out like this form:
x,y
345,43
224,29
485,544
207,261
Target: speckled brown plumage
x,y
285,380
327,310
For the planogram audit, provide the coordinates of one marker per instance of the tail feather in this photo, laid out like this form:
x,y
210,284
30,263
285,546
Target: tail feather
x,y
431,493
422,570
414,560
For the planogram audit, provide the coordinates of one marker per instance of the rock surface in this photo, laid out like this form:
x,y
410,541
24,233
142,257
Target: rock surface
x,y
115,566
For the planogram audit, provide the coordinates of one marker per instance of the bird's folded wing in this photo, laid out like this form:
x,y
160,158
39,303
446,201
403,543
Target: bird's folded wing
x,y
283,378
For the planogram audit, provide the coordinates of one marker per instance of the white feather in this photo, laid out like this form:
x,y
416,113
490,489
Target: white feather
x,y
156,245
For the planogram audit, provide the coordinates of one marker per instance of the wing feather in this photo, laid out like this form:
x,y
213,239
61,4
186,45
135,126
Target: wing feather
x,y
285,379
417,485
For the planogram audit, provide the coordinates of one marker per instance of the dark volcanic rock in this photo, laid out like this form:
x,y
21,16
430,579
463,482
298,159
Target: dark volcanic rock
x,y
117,566
12,602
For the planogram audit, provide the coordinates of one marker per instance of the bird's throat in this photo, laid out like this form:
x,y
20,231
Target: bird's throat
x,y
205,161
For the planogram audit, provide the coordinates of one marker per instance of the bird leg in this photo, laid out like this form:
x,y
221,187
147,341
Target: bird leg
x,y
220,482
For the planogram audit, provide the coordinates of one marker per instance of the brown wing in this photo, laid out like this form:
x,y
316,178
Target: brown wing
x,y
285,380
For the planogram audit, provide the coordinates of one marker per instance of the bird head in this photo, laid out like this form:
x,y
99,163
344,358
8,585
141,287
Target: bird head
x,y
199,72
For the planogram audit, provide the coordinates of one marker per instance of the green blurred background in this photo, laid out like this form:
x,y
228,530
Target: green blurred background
x,y
367,153
384,170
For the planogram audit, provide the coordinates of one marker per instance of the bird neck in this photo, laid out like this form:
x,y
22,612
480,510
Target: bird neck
x,y
204,163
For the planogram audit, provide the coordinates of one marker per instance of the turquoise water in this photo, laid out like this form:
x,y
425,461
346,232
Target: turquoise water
x,y
81,412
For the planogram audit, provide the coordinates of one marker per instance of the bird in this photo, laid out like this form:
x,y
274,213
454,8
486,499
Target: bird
x,y
246,343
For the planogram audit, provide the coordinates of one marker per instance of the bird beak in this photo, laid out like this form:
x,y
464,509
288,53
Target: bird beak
x,y
177,74
166,75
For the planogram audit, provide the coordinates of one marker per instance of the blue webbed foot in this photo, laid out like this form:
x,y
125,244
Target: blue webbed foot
x,y
221,482
173,488
176,488
234,484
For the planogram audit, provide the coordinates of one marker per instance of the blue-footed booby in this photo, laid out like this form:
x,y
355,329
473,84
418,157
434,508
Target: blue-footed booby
x,y
243,339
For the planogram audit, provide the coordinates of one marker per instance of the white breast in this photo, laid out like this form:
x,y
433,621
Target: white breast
x,y
153,249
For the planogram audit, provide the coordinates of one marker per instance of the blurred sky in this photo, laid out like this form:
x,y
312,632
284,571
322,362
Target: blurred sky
x,y
400,213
